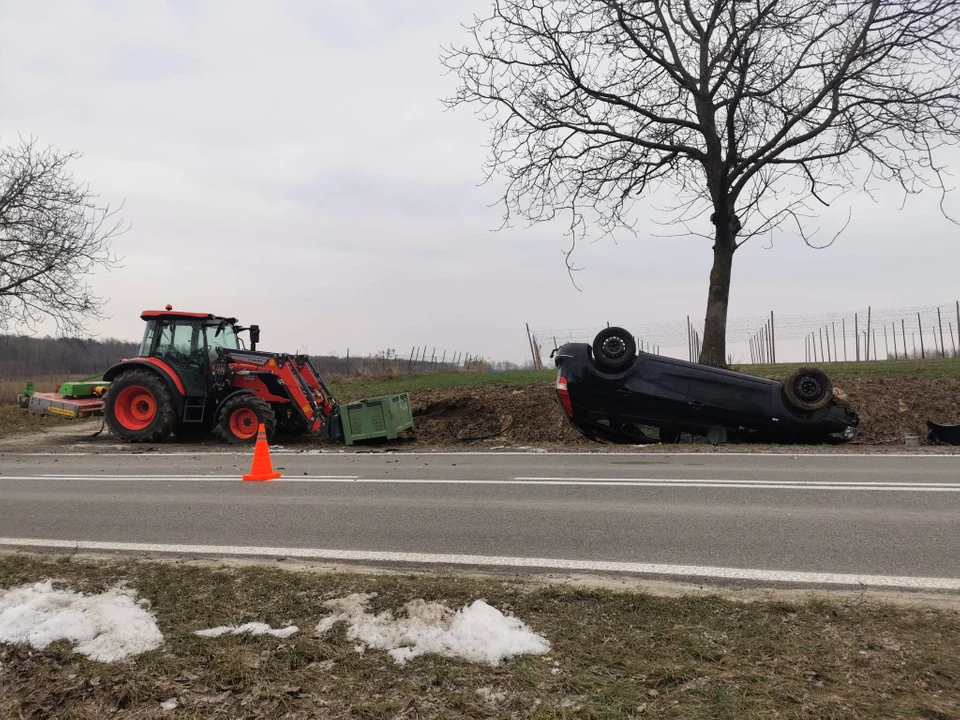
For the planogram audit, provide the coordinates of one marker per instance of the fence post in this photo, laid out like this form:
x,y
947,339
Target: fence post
x,y
903,331
933,330
886,345
856,335
843,326
773,339
868,335
952,343
533,355
822,356
834,324
943,348
923,355
689,341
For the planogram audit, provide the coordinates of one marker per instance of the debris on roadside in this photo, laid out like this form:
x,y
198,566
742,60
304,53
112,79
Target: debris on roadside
x,y
943,434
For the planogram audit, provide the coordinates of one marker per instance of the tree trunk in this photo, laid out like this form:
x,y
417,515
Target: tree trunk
x,y
714,349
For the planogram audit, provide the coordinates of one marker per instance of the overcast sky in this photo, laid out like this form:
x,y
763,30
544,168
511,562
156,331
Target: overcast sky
x,y
291,163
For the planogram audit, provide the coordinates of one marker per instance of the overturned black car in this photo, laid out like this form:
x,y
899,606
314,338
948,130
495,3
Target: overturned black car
x,y
612,393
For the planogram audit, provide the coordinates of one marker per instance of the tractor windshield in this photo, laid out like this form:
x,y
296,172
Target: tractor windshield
x,y
146,344
222,335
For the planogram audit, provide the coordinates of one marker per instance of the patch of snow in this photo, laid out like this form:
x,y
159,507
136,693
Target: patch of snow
x,y
170,704
250,628
106,627
477,632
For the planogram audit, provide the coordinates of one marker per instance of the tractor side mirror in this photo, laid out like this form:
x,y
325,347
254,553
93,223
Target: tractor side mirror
x,y
254,336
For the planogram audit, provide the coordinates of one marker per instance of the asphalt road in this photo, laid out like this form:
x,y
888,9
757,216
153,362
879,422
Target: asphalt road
x,y
888,520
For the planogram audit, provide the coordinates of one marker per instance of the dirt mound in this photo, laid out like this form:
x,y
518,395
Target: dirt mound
x,y
529,414
890,408
524,414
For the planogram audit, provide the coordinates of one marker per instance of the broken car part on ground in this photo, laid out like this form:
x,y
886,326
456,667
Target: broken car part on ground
x,y
612,393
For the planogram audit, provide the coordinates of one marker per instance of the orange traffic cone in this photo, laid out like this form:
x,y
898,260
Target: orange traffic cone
x,y
262,468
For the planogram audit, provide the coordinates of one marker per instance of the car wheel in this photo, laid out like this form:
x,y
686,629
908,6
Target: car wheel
x,y
614,349
807,389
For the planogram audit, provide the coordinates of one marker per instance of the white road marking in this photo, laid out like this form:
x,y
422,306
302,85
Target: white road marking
x,y
98,476
812,483
507,453
180,476
720,573
880,486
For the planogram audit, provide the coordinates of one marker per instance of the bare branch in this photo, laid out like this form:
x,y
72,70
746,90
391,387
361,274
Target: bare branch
x,y
53,232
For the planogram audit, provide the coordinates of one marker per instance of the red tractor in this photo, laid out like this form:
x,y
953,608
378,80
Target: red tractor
x,y
192,376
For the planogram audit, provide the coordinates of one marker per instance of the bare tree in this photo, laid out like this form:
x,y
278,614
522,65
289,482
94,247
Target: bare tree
x,y
53,232
748,114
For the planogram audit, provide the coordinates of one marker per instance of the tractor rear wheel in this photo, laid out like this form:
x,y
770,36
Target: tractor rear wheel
x,y
240,418
138,407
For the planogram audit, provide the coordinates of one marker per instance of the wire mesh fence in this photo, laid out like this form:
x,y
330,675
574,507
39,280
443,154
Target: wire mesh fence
x,y
871,333
424,358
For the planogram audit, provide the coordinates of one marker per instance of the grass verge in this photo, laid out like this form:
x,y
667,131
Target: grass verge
x,y
350,389
938,368
614,654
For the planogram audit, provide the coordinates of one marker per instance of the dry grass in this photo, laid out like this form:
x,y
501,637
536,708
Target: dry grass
x,y
10,389
615,655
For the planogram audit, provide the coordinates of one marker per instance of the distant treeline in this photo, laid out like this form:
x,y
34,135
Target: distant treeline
x,y
25,357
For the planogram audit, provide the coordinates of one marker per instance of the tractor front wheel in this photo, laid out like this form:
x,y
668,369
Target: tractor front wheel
x,y
138,407
240,418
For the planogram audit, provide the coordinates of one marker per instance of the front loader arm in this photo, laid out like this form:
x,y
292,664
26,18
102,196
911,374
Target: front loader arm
x,y
299,381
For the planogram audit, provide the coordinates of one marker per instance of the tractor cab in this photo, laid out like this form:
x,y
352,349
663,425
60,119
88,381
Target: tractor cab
x,y
190,343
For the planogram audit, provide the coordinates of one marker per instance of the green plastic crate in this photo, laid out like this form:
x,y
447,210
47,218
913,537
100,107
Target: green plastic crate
x,y
377,417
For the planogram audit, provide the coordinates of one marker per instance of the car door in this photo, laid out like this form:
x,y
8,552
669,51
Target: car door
x,y
727,399
655,391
